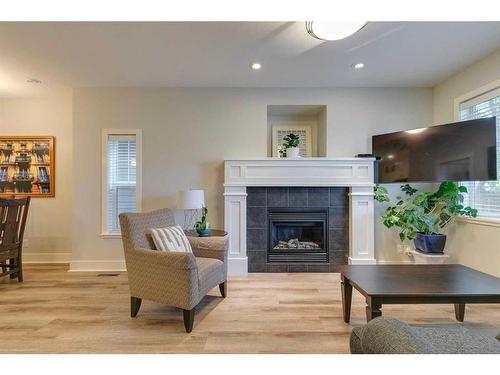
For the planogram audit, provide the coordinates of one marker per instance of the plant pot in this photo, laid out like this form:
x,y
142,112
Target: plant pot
x,y
204,232
430,243
293,152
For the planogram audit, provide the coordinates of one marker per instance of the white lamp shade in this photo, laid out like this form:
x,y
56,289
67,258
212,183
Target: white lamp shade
x,y
190,199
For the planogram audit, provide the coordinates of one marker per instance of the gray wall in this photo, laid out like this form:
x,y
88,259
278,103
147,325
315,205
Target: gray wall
x,y
48,229
187,133
470,243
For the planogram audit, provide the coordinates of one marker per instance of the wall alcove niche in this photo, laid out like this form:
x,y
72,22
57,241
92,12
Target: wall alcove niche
x,y
298,117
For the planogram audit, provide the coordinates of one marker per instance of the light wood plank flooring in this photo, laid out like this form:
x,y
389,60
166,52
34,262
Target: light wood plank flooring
x,y
54,311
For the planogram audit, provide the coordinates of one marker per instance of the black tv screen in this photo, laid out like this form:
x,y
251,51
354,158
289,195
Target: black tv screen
x,y
461,151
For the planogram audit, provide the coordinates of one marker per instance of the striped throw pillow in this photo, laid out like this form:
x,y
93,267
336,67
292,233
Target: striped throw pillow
x,y
170,239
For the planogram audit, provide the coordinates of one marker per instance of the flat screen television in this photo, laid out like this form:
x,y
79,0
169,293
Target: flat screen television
x,y
461,151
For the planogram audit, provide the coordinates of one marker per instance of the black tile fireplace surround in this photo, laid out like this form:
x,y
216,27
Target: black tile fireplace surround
x,y
314,219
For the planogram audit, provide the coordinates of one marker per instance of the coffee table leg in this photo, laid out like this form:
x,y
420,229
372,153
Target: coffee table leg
x,y
346,299
460,311
372,309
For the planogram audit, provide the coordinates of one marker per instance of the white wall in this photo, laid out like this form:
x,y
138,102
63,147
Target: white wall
x,y
49,225
322,132
475,76
473,245
187,133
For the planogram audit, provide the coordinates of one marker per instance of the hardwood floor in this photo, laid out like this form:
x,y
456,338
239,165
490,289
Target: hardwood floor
x,y
54,311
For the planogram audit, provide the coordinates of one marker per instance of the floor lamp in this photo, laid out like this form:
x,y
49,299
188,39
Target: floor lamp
x,y
191,201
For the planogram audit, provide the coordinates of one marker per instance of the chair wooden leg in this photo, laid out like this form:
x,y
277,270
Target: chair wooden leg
x,y
20,272
20,275
13,265
223,289
188,319
135,305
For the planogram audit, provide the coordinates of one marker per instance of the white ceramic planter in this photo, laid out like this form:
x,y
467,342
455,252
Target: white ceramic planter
x,y
292,152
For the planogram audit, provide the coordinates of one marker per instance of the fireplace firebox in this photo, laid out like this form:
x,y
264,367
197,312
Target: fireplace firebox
x,y
297,235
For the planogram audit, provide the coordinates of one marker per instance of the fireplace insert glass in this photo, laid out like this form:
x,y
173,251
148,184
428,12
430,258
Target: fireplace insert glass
x,y
297,235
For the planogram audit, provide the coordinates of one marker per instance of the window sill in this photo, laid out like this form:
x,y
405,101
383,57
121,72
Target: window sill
x,y
110,236
488,221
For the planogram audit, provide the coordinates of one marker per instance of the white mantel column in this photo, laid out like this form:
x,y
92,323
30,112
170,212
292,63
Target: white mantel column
x,y
235,223
361,226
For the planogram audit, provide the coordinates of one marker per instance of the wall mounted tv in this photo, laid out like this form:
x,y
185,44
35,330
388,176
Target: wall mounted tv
x,y
461,151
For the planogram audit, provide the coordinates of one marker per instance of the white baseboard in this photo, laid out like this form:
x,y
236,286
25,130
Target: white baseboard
x,y
361,261
237,266
46,257
395,262
97,265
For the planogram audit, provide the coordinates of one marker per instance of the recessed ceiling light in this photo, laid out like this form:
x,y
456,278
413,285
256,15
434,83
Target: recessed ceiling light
x,y
333,30
358,66
33,80
255,65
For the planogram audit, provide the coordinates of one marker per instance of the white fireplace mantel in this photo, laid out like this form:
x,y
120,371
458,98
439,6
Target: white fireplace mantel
x,y
355,173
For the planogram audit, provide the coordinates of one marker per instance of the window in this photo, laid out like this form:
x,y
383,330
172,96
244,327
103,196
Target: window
x,y
484,195
121,176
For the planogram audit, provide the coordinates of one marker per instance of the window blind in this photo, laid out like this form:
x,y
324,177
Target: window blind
x,y
484,195
121,184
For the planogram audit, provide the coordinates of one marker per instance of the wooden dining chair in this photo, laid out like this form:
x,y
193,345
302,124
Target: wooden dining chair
x,y
13,214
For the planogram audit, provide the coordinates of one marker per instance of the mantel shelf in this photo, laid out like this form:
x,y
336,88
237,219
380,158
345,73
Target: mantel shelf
x,y
346,172
353,159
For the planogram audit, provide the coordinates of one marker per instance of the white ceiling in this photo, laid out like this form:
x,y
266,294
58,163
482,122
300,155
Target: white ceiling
x,y
217,54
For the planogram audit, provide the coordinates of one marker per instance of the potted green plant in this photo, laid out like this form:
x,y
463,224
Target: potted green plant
x,y
421,216
291,145
202,226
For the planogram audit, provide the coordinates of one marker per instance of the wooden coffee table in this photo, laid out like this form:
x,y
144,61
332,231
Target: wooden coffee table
x,y
415,284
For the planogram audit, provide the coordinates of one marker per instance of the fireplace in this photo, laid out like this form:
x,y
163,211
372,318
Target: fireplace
x,y
297,235
343,186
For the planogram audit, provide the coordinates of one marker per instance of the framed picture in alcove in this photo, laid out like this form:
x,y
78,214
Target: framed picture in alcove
x,y
27,165
304,133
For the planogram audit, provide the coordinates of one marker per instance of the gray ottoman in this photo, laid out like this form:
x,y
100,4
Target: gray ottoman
x,y
387,335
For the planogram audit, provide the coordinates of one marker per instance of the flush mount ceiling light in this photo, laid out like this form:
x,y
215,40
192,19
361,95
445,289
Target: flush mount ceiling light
x,y
33,80
358,66
333,30
255,65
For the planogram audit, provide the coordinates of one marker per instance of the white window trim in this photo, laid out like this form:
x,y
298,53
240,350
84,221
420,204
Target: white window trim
x,y
494,85
471,95
104,174
488,221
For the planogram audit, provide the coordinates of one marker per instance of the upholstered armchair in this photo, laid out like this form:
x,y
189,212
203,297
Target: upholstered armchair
x,y
172,278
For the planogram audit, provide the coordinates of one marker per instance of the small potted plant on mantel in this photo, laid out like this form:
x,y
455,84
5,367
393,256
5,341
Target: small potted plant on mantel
x,y
421,216
291,145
